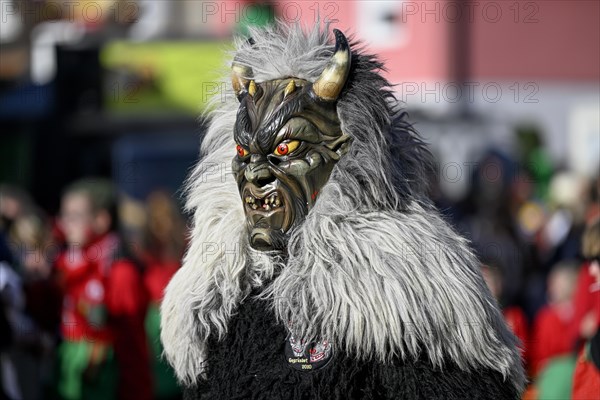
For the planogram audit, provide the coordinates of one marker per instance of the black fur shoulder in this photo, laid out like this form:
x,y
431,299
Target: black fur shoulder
x,y
250,363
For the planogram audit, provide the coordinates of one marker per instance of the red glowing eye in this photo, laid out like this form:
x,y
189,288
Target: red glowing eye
x,y
282,149
241,151
286,148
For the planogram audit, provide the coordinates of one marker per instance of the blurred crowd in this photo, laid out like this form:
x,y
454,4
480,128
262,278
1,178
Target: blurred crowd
x,y
80,291
536,230
80,294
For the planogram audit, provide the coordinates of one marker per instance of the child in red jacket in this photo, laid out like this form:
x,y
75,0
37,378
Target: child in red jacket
x,y
548,341
104,352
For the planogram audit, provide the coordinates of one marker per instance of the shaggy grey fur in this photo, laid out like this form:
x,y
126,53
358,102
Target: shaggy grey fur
x,y
373,268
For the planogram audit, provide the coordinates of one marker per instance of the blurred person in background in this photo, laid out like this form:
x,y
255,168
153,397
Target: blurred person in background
x,y
31,240
104,352
513,315
593,209
560,238
30,299
554,227
586,380
164,244
490,224
11,293
552,360
555,317
586,302
14,202
11,320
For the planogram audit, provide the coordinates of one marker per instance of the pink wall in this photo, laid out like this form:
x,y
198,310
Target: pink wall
x,y
549,40
421,54
556,40
553,40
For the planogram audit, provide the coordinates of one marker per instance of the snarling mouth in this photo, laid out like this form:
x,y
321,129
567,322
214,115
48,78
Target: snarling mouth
x,y
268,202
269,215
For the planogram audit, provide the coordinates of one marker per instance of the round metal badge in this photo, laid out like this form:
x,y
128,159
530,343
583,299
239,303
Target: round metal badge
x,y
303,357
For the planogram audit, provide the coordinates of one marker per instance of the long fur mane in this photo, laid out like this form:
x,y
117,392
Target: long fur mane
x,y
373,268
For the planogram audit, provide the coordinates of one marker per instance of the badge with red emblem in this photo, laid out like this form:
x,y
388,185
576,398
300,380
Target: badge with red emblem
x,y
303,357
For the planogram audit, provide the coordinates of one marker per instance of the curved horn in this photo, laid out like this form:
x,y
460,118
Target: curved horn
x,y
240,77
241,74
332,79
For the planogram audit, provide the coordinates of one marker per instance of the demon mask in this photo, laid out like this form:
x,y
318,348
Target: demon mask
x,y
288,138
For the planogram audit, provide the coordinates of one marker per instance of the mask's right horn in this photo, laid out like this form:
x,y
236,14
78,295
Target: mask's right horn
x,y
241,75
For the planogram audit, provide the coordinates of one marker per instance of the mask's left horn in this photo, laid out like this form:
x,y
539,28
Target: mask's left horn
x,y
241,75
333,78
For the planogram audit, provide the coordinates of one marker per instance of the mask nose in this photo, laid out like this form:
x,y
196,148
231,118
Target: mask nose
x,y
257,172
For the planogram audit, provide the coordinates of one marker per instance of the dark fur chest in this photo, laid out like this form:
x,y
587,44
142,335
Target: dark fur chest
x,y
251,363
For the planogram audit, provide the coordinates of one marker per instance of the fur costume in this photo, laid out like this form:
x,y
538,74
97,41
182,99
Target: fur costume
x,y
361,290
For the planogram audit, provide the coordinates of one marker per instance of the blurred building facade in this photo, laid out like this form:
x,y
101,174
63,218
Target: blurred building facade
x,y
471,72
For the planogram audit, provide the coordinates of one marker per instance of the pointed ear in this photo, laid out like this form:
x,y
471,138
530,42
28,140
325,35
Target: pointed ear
x,y
340,145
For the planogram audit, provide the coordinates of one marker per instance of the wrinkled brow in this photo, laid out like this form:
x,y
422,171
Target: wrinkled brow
x,y
251,125
266,133
244,124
